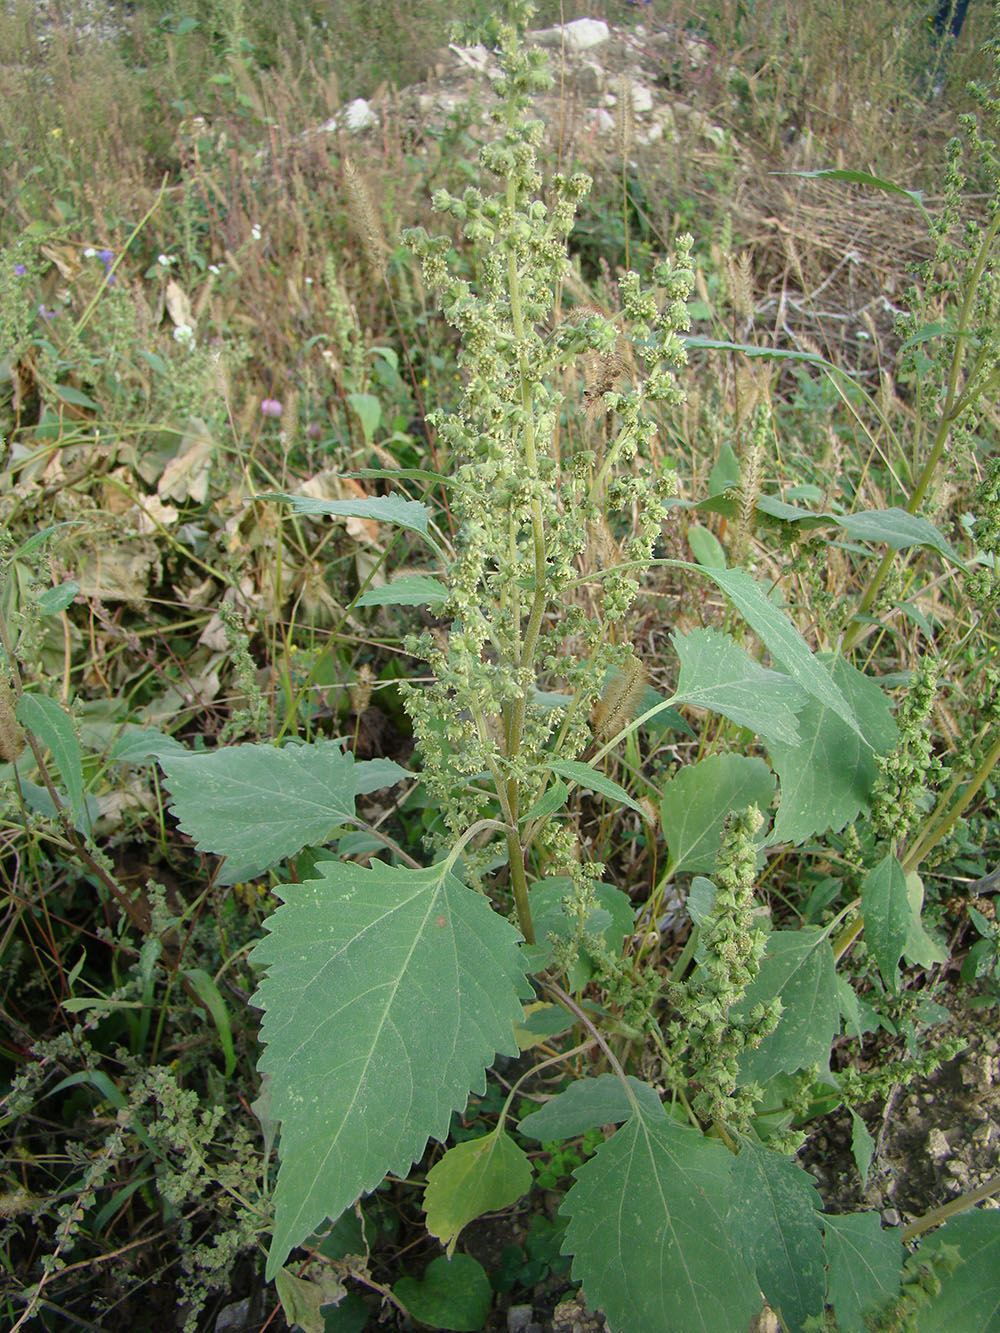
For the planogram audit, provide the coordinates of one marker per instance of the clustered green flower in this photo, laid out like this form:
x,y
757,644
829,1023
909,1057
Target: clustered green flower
x,y
526,505
906,773
707,1038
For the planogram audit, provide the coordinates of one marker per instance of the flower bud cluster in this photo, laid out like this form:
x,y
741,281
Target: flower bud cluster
x,y
524,502
732,946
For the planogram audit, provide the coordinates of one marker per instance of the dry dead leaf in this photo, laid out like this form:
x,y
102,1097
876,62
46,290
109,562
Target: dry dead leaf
x,y
153,514
116,575
65,257
186,475
178,304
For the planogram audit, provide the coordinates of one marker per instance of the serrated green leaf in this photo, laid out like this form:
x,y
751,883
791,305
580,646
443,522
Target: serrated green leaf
x,y
774,1215
454,1294
587,1103
827,778
717,674
865,1263
408,590
786,644
388,992
896,528
885,906
648,1234
54,600
698,799
798,966
49,722
970,1294
393,508
862,1146
474,1177
257,804
588,778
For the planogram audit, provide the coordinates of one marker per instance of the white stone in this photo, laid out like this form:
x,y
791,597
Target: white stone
x,y
475,57
357,115
642,98
580,35
601,121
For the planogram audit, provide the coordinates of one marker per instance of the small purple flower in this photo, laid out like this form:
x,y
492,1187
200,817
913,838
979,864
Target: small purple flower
x,y
107,258
314,431
20,270
271,407
47,314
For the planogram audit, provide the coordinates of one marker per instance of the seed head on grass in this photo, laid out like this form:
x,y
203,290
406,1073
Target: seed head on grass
x,y
365,220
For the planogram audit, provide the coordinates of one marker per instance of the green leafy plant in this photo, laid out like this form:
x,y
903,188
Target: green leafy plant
x,y
389,989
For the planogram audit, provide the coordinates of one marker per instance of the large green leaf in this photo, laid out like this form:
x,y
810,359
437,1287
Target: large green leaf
x,y
383,508
798,966
387,994
407,590
648,1234
453,1294
854,177
827,778
371,775
896,528
865,1263
772,626
589,1102
921,949
49,722
588,778
716,673
885,906
970,1293
775,1220
257,804
697,343
474,1177
369,413
698,799
139,745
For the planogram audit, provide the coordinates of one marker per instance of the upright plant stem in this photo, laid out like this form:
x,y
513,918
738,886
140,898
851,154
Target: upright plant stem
x,y
956,402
